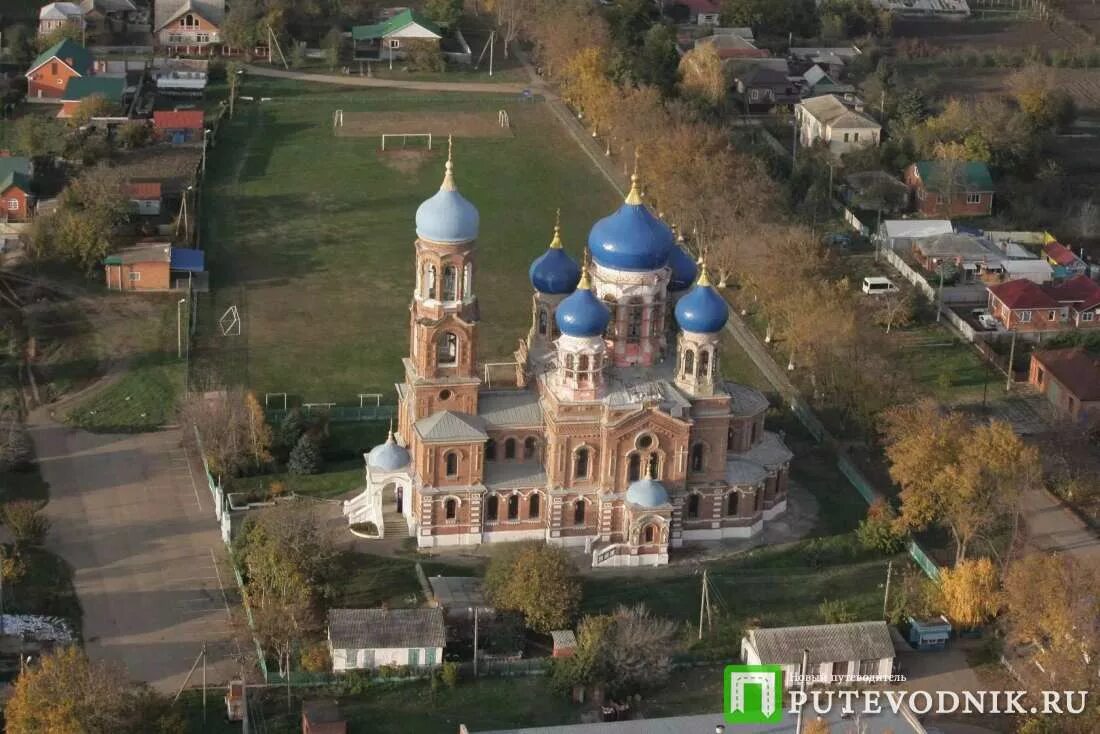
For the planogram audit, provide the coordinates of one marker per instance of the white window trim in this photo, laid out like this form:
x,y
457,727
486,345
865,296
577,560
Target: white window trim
x,y
1087,315
13,205
1025,316
134,276
973,198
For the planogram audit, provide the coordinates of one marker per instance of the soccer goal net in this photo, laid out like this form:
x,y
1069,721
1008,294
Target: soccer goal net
x,y
401,140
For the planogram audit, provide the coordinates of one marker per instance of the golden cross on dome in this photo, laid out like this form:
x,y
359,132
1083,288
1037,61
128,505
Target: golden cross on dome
x,y
448,175
634,198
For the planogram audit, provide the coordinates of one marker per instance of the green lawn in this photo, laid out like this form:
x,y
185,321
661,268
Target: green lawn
x,y
338,479
371,580
311,235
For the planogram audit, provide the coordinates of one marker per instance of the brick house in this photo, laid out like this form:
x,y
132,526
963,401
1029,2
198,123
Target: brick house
x,y
150,266
970,189
190,27
179,126
1070,380
16,199
1025,306
51,72
840,127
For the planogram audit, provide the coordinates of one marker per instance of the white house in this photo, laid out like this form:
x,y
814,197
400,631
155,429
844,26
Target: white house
x,y
57,15
829,119
389,39
837,652
367,639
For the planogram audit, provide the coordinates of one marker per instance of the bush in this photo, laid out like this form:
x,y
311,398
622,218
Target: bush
x,y
305,458
16,449
424,56
366,528
877,531
448,674
315,658
26,522
837,611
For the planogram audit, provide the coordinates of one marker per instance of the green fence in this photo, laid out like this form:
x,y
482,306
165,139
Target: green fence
x,y
343,413
856,478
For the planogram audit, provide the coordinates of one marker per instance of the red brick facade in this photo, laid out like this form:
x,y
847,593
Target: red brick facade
x,y
932,203
48,80
15,204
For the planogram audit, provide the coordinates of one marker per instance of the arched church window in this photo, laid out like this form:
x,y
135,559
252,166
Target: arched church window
x,y
533,505
530,447
490,450
580,464
468,281
492,507
450,509
704,363
429,281
447,348
697,462
730,435
513,507
582,369
689,362
755,432
634,318
610,331
578,512
647,534
542,321
731,503
653,467
450,462
450,283
693,506
569,366
634,468
510,448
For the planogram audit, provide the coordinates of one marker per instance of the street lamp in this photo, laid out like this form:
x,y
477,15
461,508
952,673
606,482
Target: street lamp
x,y
179,328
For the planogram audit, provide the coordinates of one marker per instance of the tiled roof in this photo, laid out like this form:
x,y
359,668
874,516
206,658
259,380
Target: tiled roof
x,y
825,642
512,408
178,119
1075,368
143,190
367,629
830,110
447,425
1017,294
1080,290
972,176
80,88
168,10
15,171
65,49
1059,253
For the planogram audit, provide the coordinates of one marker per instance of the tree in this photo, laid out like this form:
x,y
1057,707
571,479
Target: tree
x,y
39,137
702,75
241,26
235,437
537,580
657,59
67,692
95,105
837,611
16,449
1039,96
511,15
817,726
877,531
424,55
444,12
82,229
70,31
21,45
26,522
971,592
305,457
332,44
893,309
135,134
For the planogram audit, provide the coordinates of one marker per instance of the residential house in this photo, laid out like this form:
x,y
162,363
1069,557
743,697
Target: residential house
x,y
389,39
1063,261
764,84
901,234
322,717
152,266
109,16
179,126
111,88
945,189
816,82
733,45
189,27
841,653
367,639
58,15
1033,309
145,197
840,127
832,59
970,253
874,191
55,67
702,12
1070,380
16,198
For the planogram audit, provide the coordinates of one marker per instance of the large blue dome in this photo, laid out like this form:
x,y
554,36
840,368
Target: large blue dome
x,y
447,217
647,493
388,456
582,313
632,238
683,267
554,271
702,311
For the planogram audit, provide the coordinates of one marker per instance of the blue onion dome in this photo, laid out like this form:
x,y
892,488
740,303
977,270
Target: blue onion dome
x,y
632,238
554,271
647,492
702,310
582,313
388,456
684,270
447,217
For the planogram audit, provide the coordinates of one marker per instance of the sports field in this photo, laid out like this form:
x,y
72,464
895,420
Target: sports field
x,y
310,234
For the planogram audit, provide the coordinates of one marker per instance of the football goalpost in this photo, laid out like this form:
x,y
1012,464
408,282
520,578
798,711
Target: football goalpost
x,y
404,138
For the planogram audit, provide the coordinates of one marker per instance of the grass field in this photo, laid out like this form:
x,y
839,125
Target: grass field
x,y
311,235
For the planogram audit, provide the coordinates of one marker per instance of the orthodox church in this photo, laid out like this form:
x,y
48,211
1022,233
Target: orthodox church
x,y
621,438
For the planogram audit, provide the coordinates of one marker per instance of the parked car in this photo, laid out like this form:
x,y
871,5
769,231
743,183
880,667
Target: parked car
x,y
984,319
875,286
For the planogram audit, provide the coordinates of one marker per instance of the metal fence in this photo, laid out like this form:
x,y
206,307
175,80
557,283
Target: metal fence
x,y
341,413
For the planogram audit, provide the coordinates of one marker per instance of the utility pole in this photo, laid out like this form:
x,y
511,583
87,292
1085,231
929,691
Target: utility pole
x,y
939,296
886,595
492,47
802,689
475,640
1011,358
704,603
204,682
288,705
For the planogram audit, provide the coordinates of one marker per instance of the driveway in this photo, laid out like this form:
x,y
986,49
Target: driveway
x,y
1052,527
133,516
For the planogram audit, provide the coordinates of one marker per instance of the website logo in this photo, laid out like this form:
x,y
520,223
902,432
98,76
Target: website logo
x,y
753,694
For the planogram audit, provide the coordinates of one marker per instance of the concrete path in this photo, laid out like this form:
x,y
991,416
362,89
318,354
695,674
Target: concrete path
x,y
1052,527
351,80
133,517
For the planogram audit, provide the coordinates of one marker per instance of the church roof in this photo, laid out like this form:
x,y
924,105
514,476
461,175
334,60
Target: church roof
x,y
771,452
447,217
648,493
742,472
510,409
448,425
514,474
388,456
632,238
746,400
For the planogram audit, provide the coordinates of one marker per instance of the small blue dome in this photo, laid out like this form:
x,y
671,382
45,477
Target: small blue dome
x,y
632,238
554,271
388,456
582,313
647,493
683,267
702,311
447,217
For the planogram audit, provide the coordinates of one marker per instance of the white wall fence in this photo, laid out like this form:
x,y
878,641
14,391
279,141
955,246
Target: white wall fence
x,y
970,293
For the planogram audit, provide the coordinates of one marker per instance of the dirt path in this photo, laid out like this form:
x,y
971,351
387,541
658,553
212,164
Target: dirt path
x,y
348,80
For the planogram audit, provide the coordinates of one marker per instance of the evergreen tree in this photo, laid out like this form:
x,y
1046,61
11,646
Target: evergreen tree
x,y
305,458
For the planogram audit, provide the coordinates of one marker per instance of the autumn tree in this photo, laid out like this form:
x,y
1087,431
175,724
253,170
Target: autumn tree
x,y
39,137
511,15
1046,104
702,75
241,27
537,580
26,522
444,12
817,726
877,530
83,227
971,592
893,309
236,438
135,134
424,55
95,105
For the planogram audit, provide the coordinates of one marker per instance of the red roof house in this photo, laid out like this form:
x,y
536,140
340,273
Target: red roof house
x,y
179,126
1026,306
1070,379
703,12
1062,259
145,197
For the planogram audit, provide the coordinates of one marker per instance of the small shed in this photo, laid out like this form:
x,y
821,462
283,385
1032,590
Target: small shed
x,y
179,126
145,197
565,643
929,634
367,639
322,717
460,596
153,266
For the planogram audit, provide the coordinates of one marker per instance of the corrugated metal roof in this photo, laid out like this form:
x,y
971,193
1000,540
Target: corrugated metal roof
x,y
514,474
81,87
771,452
372,629
447,425
178,119
826,643
511,409
193,261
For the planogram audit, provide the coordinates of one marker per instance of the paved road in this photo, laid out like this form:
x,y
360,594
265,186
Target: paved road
x,y
350,80
1052,527
133,517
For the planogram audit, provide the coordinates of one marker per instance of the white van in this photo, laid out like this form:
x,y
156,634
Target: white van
x,y
876,285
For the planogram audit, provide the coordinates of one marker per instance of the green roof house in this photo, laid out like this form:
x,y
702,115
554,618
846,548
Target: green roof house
x,y
16,200
948,189
54,67
387,40
80,88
